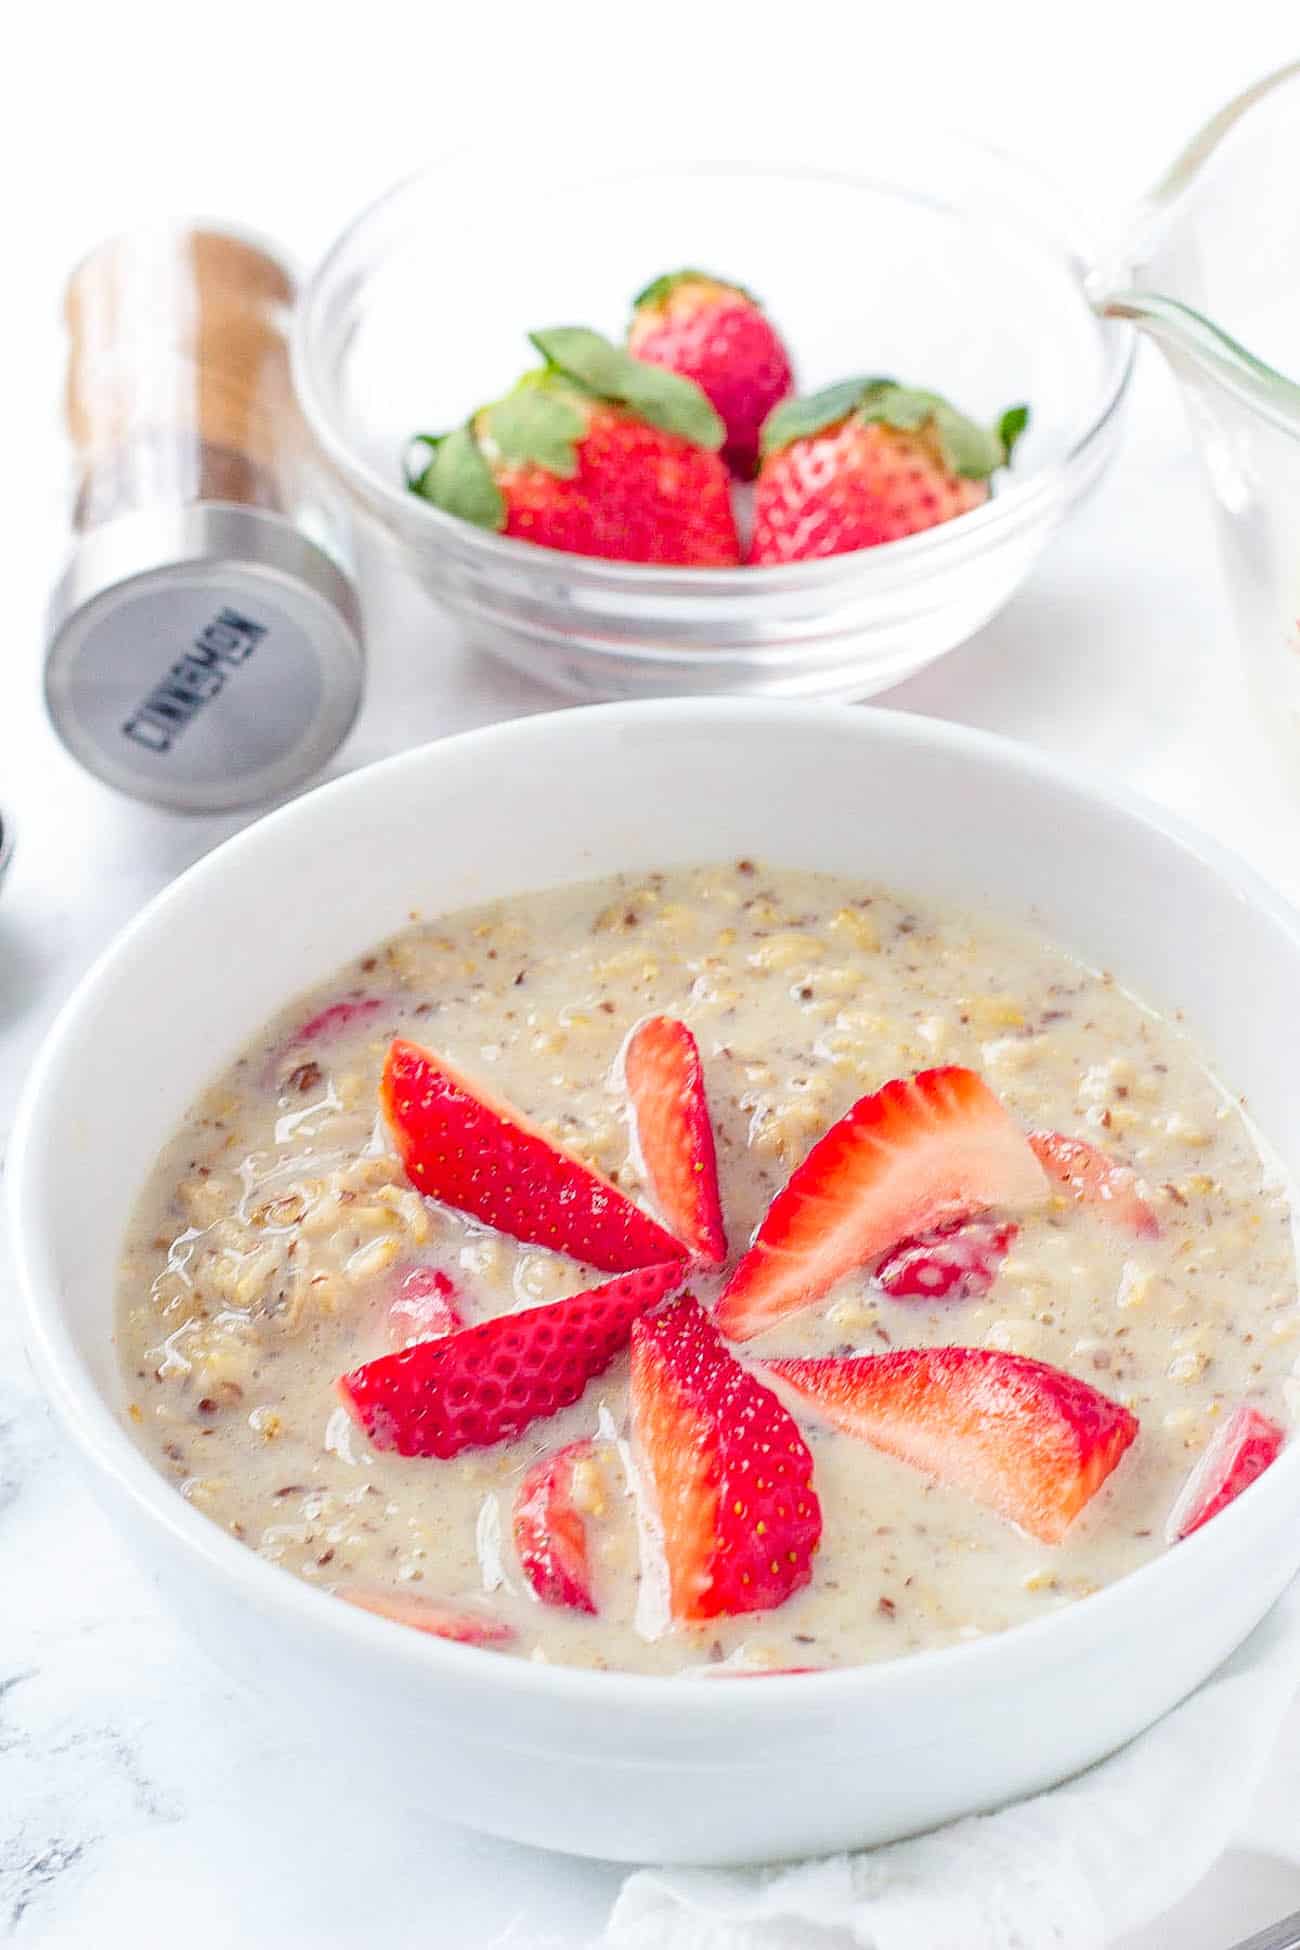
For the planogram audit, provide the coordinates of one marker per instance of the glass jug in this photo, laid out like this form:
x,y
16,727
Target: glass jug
x,y
1210,268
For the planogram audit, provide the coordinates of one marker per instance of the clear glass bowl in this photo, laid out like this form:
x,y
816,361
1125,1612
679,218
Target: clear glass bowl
x,y
920,255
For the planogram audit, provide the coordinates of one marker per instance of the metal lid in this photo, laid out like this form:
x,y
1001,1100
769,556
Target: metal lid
x,y
204,656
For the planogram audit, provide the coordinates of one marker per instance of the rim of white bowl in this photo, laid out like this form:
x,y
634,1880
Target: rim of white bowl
x,y
105,1443
927,552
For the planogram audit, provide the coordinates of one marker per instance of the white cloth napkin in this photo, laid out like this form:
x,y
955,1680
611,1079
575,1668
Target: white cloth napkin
x,y
1069,1870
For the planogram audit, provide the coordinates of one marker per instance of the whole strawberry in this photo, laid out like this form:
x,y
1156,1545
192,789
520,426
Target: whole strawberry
x,y
869,461
596,453
718,335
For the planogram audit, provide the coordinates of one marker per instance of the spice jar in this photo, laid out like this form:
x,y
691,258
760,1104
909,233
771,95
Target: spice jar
x,y
204,640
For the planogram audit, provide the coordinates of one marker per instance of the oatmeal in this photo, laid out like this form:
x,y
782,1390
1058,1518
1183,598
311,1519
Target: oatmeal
x,y
284,1242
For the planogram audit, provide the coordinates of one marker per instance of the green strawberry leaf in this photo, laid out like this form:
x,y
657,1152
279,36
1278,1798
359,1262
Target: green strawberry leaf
x,y
972,451
799,419
898,406
580,354
661,398
659,290
1011,426
459,481
538,424
415,473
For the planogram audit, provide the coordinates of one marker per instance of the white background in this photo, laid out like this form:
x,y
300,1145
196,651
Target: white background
x,y
141,1798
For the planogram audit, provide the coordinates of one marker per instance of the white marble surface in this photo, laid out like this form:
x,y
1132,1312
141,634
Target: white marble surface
x,y
143,1797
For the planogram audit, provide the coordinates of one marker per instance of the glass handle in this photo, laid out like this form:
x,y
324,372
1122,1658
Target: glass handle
x,y
1138,238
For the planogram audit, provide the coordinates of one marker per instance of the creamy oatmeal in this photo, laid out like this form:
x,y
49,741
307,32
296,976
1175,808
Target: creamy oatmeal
x,y
274,1246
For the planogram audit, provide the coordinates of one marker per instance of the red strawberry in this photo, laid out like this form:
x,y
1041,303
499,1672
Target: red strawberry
x,y
1028,1440
335,1019
954,1262
674,1134
866,462
917,1154
727,1471
550,1534
424,1307
718,335
429,1615
486,1383
1239,1451
1094,1179
467,1148
597,454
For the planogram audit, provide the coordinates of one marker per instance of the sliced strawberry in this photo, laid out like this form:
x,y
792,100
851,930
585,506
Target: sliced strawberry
x,y
954,1262
550,1532
467,1148
486,1383
335,1019
429,1615
1239,1451
1028,1440
728,1473
1094,1179
424,1307
919,1153
674,1133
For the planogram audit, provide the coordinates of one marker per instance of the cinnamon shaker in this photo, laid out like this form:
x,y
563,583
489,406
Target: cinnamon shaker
x,y
205,645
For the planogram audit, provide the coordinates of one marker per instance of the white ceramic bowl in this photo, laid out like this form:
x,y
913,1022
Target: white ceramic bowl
x,y
600,1763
